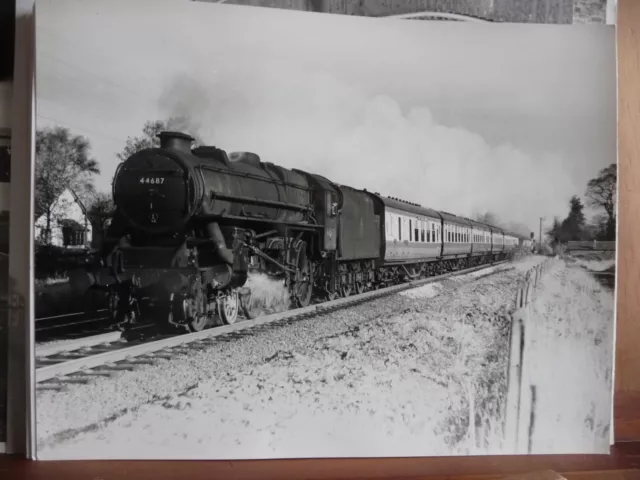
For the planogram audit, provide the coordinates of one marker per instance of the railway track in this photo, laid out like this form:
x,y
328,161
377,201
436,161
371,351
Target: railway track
x,y
81,360
76,319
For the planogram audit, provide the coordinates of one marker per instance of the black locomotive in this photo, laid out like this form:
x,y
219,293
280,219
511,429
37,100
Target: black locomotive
x,y
191,225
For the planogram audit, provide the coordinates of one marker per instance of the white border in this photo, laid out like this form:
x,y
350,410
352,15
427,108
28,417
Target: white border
x,y
616,292
20,382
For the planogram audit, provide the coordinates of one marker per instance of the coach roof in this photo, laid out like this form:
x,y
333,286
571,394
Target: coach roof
x,y
407,206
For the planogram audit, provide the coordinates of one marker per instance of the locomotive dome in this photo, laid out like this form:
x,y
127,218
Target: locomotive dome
x,y
176,140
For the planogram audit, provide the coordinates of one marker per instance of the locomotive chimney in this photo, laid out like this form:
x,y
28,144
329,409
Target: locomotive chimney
x,y
176,140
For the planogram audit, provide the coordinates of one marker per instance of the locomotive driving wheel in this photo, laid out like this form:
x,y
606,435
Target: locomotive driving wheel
x,y
195,309
248,304
345,290
228,307
302,284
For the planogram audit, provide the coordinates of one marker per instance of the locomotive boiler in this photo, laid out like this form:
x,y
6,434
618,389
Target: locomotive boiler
x,y
191,224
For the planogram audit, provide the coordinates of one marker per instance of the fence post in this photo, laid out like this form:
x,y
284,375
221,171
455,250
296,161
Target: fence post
x,y
514,382
533,393
525,403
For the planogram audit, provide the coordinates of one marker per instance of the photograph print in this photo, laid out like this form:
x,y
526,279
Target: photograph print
x,y
263,233
509,11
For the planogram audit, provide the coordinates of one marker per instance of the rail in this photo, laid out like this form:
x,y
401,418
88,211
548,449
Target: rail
x,y
82,361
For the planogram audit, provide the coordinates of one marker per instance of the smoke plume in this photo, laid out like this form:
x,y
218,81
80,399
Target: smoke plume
x,y
317,123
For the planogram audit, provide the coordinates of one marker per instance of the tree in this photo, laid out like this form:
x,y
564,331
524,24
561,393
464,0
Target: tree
x,y
555,232
601,193
62,162
573,227
575,222
100,212
149,137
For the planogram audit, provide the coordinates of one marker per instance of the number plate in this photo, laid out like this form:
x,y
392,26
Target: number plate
x,y
152,180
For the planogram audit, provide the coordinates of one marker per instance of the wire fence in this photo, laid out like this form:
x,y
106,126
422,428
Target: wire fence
x,y
521,398
591,246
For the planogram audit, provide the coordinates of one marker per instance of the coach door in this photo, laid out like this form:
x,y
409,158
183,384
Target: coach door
x,y
331,221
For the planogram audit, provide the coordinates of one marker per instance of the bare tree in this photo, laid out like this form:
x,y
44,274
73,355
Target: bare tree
x,y
149,138
601,193
62,162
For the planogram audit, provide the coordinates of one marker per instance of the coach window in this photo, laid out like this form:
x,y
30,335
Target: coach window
x,y
399,228
417,231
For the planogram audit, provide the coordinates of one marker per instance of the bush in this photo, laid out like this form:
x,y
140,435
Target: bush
x,y
545,249
54,262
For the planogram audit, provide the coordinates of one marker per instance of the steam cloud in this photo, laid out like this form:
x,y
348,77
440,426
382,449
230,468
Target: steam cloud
x,y
364,140
268,295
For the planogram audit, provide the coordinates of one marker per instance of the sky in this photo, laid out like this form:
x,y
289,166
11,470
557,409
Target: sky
x,y
462,117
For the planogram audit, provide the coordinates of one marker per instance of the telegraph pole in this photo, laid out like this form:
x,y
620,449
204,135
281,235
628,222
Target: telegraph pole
x,y
540,234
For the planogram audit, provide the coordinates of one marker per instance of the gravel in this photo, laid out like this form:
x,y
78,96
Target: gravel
x,y
107,399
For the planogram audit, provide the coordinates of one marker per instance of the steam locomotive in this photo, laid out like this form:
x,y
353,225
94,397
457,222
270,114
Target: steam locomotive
x,y
192,224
